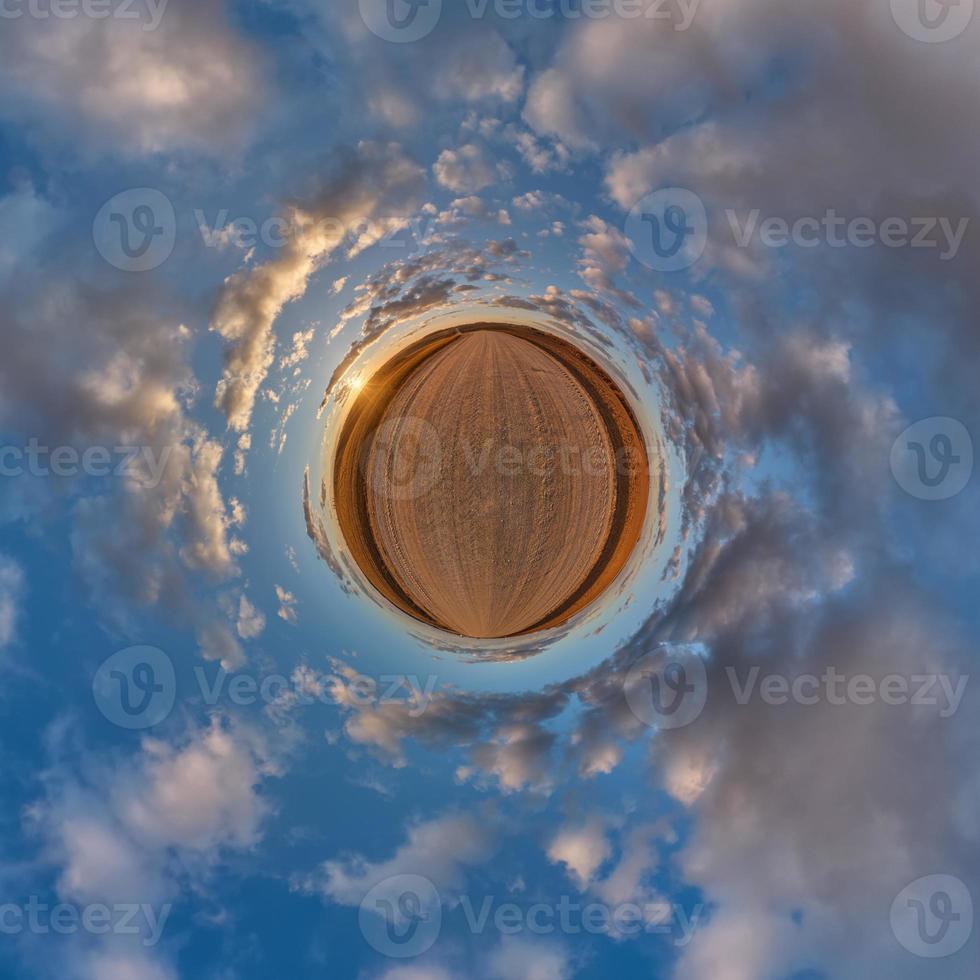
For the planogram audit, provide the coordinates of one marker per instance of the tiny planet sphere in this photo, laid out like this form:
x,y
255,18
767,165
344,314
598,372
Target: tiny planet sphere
x,y
491,481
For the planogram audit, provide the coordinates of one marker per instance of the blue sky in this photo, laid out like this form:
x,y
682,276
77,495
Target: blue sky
x,y
211,208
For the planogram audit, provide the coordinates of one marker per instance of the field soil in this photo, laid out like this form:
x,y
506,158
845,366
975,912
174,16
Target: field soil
x,y
491,481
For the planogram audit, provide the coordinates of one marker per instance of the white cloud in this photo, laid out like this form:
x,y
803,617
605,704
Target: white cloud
x,y
551,109
416,973
379,185
440,850
11,590
638,859
687,777
100,862
25,220
144,829
529,959
465,170
518,756
209,547
190,83
582,848
217,642
478,66
739,944
605,251
404,85
251,621
287,605
540,155
198,796
125,965
120,378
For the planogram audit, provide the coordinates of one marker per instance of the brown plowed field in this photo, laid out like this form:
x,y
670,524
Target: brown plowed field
x,y
491,481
